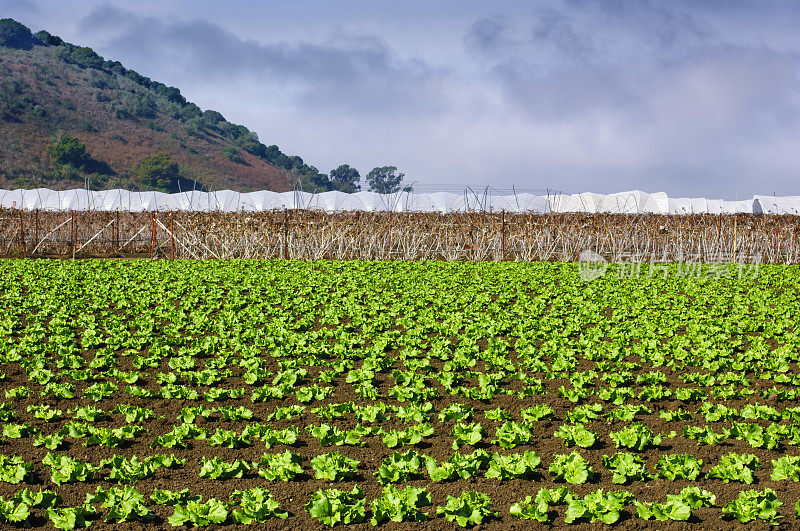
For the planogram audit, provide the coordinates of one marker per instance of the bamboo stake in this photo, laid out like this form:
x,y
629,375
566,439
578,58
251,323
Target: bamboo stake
x,y
172,235
95,236
22,232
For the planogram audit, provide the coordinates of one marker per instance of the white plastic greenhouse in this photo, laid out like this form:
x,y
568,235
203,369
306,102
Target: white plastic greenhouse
x,y
631,202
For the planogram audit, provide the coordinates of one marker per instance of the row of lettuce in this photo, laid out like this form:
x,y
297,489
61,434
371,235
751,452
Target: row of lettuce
x,y
573,468
634,435
335,506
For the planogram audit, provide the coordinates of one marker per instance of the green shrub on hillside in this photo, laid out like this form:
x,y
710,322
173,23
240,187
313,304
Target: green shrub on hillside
x,y
82,56
68,150
45,38
159,171
233,154
15,35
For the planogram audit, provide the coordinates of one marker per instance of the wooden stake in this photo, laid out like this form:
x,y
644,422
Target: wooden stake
x,y
153,235
36,226
286,236
74,235
172,235
503,235
22,232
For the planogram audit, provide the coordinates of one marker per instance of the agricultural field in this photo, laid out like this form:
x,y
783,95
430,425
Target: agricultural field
x,y
501,394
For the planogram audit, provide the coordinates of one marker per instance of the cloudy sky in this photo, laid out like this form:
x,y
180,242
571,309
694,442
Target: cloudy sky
x,y
690,97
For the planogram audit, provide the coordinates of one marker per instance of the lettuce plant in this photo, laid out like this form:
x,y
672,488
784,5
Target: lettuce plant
x,y
718,412
210,512
675,415
178,436
64,469
498,414
124,505
616,395
626,467
110,437
678,506
470,508
230,439
575,435
18,431
125,470
189,414
467,434
414,412
45,412
400,505
286,413
735,467
13,513
754,505
755,435
333,506
704,434
412,435
331,435
399,467
627,412
281,467
456,411
255,505
572,468
584,413
7,412
13,469
71,517
168,497
512,434
679,466
216,468
635,436
598,505
538,508
786,467
513,466
459,465
272,437
760,412
369,413
100,390
133,414
41,498
334,466
89,413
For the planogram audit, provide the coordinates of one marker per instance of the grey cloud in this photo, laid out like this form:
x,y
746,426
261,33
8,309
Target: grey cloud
x,y
548,39
555,28
19,9
648,25
567,94
487,35
580,33
358,73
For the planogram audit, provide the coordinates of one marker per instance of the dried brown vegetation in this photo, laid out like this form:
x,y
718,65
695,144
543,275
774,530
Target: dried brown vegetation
x,y
304,234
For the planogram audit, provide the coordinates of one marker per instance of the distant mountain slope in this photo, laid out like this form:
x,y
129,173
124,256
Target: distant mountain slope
x,y
50,89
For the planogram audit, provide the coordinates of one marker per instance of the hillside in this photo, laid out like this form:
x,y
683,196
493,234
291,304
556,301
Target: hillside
x,y
50,89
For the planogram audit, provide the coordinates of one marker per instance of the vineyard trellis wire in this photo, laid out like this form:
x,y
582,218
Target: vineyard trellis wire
x,y
311,234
